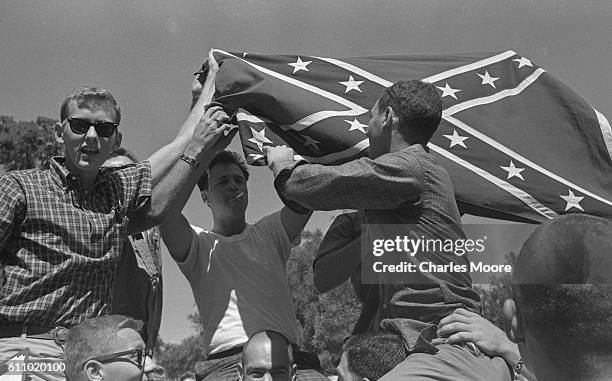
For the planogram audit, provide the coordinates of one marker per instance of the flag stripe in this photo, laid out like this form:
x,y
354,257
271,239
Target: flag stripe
x,y
340,155
248,117
357,70
309,120
464,69
521,158
525,197
495,97
606,131
300,84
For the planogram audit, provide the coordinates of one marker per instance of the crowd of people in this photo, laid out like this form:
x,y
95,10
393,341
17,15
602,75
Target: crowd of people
x,y
80,285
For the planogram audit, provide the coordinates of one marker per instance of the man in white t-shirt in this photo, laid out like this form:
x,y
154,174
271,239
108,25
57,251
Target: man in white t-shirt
x,y
237,270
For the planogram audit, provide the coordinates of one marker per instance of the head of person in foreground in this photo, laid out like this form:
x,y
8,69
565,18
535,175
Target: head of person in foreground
x,y
407,113
369,356
561,313
105,348
267,355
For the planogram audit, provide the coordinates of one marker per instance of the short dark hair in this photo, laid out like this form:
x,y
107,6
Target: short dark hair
x,y
223,157
562,286
418,106
91,98
124,152
93,338
372,355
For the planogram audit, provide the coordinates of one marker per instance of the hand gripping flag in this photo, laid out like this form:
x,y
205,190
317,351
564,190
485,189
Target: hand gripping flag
x,y
518,143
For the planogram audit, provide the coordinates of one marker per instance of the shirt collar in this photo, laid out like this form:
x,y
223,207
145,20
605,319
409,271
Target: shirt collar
x,y
62,177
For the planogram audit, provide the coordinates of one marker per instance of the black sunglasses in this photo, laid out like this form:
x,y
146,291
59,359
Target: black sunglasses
x,y
141,355
80,126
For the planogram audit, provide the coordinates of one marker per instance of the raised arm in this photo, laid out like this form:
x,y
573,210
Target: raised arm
x,y
202,135
383,183
177,235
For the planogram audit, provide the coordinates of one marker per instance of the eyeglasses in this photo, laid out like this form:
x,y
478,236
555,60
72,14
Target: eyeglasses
x,y
81,126
141,355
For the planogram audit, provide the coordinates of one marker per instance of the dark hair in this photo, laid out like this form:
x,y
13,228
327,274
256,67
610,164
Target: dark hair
x,y
91,98
418,106
124,152
223,157
92,338
563,289
372,355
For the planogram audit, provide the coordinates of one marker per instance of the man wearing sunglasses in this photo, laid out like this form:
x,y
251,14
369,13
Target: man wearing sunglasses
x,y
62,230
106,348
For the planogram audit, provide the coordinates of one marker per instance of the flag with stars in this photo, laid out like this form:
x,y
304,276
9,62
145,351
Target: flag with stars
x,y
518,143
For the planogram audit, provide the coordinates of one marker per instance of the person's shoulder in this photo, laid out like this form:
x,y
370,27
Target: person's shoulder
x,y
269,219
124,168
24,176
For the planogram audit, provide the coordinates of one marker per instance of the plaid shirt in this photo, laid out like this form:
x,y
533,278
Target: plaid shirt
x,y
59,245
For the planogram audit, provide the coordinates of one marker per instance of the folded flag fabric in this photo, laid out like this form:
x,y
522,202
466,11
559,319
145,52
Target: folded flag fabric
x,y
518,143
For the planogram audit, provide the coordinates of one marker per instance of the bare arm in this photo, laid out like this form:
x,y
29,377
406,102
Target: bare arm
x,y
176,233
203,134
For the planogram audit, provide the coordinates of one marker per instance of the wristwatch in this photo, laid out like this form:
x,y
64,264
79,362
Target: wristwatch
x,y
189,160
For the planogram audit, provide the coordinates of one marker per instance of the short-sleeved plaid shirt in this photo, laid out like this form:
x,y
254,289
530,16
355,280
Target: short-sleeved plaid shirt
x,y
59,245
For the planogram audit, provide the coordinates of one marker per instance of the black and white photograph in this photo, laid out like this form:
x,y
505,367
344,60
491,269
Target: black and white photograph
x,y
339,190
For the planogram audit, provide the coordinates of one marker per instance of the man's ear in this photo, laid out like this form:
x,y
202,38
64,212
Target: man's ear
x,y
93,370
204,195
512,326
390,118
59,132
118,138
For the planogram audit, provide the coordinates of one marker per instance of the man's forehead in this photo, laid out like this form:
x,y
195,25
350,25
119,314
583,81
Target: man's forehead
x,y
102,109
263,352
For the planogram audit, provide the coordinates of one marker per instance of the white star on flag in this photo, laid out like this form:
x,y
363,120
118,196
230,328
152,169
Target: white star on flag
x,y
487,79
351,84
523,62
299,65
448,91
513,171
311,142
356,125
572,200
456,139
259,138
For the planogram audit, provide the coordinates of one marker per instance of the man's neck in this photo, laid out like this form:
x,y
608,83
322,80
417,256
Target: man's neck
x,y
400,144
88,180
230,226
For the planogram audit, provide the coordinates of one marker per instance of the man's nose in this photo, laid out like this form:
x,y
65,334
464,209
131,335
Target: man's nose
x,y
232,186
91,133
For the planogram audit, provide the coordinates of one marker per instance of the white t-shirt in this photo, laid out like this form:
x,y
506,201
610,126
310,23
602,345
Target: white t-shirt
x,y
240,283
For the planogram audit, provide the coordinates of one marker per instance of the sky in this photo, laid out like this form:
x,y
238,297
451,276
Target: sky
x,y
145,52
